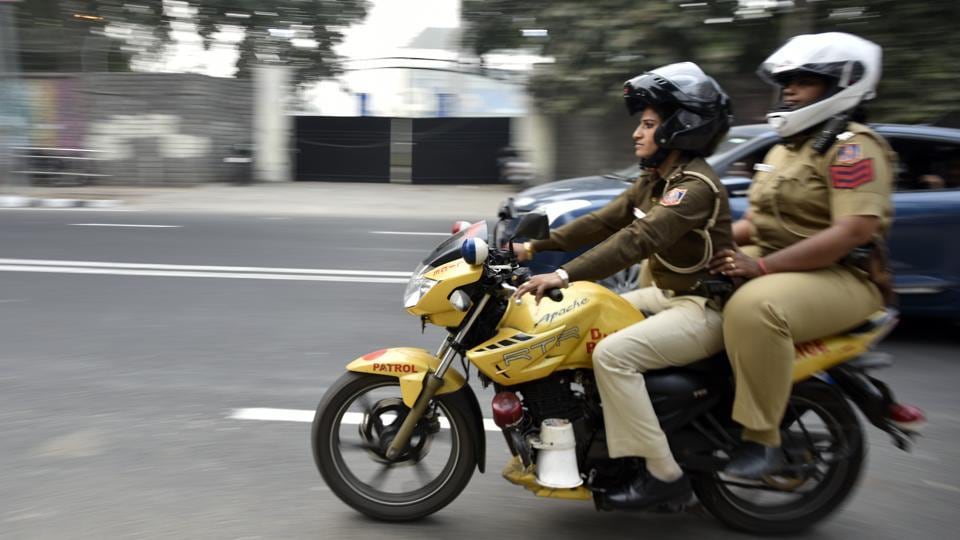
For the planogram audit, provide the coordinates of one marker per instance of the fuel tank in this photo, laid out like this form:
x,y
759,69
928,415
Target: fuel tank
x,y
533,341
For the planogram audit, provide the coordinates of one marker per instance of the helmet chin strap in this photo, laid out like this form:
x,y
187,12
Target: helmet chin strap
x,y
656,159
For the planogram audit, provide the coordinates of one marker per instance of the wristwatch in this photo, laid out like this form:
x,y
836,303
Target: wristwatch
x,y
564,276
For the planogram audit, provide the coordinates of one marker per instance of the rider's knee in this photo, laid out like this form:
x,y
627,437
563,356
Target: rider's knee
x,y
614,354
603,357
751,311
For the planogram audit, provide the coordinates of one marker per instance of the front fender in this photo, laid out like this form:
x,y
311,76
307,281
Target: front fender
x,y
410,365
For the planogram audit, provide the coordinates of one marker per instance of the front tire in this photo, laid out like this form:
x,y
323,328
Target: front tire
x,y
446,426
837,474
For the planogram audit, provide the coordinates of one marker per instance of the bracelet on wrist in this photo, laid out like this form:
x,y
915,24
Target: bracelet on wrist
x,y
564,276
529,247
763,267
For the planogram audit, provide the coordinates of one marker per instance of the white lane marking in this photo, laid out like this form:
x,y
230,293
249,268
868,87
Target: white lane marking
x,y
299,415
135,225
412,233
945,487
276,415
202,268
142,226
173,273
38,209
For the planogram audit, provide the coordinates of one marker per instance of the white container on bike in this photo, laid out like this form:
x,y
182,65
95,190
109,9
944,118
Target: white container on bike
x,y
557,455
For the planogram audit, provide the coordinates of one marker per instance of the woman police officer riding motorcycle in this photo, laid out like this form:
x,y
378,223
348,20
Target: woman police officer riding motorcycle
x,y
677,215
820,195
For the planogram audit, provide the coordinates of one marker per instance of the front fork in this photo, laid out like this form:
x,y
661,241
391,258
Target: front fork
x,y
432,382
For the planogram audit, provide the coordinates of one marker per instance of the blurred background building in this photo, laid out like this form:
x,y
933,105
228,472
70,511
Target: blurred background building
x,y
178,92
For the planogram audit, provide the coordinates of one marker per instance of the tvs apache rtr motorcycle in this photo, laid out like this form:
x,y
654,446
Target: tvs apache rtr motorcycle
x,y
398,436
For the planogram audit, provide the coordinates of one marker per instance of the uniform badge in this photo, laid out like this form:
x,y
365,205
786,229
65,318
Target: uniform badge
x,y
673,197
852,175
849,153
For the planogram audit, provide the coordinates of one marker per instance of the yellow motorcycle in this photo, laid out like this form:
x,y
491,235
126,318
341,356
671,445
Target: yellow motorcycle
x,y
398,436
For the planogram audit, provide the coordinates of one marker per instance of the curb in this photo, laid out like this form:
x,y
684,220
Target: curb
x,y
17,201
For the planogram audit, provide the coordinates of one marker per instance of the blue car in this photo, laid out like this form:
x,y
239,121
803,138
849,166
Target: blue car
x,y
927,204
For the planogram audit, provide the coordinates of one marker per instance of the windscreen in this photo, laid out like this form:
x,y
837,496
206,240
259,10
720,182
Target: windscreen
x,y
450,248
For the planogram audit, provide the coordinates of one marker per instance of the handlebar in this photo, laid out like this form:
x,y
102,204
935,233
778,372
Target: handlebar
x,y
518,275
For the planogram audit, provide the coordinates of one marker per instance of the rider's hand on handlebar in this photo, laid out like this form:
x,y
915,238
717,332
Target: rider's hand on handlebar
x,y
539,285
522,251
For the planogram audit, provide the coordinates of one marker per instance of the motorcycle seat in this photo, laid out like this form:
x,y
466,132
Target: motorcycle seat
x,y
878,319
717,365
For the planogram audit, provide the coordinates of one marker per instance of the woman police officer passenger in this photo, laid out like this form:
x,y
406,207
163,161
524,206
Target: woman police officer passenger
x,y
821,193
676,214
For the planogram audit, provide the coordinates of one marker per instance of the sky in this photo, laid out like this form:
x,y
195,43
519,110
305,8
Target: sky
x,y
391,24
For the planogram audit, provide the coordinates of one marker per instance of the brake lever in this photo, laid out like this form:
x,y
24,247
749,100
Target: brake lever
x,y
512,290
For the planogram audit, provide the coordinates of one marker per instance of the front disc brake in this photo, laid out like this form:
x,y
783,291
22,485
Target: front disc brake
x,y
381,423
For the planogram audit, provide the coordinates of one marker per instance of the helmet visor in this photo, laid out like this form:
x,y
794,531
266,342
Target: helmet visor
x,y
780,75
683,84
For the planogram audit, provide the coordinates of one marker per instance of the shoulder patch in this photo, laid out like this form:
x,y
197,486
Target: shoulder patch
x,y
852,175
673,197
849,153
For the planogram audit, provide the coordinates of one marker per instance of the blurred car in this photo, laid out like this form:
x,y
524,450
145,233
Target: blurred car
x,y
927,204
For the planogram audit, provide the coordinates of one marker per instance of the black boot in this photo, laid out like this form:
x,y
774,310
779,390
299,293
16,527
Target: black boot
x,y
645,491
753,461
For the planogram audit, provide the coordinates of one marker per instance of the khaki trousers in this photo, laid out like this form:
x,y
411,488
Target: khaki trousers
x,y
762,321
681,331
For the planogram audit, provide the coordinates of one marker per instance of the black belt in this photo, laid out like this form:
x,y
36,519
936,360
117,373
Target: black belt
x,y
716,289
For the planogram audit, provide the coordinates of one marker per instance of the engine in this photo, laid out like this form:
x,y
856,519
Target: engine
x,y
556,397
570,395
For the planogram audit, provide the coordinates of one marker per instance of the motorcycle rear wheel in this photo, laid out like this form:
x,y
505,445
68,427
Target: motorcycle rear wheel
x,y
839,426
346,482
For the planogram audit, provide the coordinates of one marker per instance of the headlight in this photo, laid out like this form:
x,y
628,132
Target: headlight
x,y
416,288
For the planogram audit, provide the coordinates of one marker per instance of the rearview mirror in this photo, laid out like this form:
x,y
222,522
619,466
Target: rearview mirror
x,y
533,225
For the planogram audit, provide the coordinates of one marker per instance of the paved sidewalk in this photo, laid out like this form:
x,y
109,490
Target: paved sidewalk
x,y
299,198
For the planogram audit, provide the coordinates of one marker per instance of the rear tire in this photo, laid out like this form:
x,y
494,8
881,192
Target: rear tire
x,y
838,481
361,497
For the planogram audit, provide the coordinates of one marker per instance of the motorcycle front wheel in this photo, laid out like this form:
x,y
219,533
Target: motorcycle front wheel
x,y
824,442
353,427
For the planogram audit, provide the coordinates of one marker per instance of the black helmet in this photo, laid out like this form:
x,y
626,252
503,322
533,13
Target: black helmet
x,y
695,112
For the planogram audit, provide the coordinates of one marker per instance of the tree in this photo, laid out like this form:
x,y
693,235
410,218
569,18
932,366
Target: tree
x,y
920,51
598,44
297,33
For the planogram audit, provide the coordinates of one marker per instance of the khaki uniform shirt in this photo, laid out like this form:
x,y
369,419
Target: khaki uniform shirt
x,y
661,216
798,192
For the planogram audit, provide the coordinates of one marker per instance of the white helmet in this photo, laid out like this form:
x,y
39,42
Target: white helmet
x,y
851,64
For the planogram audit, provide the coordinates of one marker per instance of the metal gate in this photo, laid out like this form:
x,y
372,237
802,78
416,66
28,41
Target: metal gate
x,y
345,149
420,150
458,150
